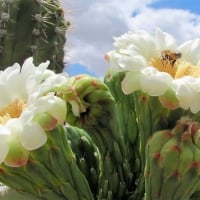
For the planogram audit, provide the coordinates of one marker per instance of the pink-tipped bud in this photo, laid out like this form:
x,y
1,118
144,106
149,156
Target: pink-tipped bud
x,y
17,155
169,100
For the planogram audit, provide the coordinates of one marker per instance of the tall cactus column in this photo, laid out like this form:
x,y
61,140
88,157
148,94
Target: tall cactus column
x,y
126,126
32,28
91,107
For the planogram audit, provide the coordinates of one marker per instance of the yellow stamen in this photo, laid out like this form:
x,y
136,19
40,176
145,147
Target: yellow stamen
x,y
12,110
164,66
170,63
186,69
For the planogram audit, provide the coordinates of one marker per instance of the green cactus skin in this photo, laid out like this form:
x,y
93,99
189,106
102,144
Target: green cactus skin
x,y
91,107
87,155
126,126
139,115
8,194
32,28
51,172
173,163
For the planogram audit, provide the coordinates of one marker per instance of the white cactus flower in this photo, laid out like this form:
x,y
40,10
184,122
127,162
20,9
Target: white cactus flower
x,y
28,108
158,66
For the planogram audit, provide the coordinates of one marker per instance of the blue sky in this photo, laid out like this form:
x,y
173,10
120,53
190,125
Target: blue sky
x,y
76,68
192,5
95,22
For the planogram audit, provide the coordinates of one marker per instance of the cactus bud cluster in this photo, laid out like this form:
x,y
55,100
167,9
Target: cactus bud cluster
x,y
173,162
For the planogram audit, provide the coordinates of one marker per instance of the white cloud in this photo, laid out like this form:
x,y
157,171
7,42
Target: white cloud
x,y
95,22
182,24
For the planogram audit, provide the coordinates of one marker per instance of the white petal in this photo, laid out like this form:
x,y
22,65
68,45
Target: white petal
x,y
57,109
10,84
190,51
139,41
188,93
53,105
14,69
164,41
5,133
135,49
27,69
195,105
131,82
6,97
57,82
43,66
155,83
124,62
33,136
33,76
15,126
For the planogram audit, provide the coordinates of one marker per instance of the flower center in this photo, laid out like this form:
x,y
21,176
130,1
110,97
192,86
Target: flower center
x,y
170,63
167,62
12,110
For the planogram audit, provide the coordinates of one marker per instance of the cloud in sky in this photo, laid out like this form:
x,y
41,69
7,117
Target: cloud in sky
x,y
182,24
94,23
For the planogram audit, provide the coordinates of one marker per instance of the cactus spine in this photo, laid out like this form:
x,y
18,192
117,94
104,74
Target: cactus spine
x,y
32,28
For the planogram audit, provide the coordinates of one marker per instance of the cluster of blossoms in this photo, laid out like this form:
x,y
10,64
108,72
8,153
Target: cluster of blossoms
x,y
28,108
158,66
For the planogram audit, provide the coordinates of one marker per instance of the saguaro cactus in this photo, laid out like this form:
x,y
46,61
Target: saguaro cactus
x,y
173,162
79,138
32,28
91,107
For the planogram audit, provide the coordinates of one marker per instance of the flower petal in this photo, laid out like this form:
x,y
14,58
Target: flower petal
x,y
123,62
53,105
131,82
33,136
188,97
139,41
164,41
45,120
5,133
190,51
17,155
57,82
155,83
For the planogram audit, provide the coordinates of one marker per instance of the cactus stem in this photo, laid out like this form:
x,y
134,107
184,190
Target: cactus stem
x,y
157,156
176,148
176,174
195,165
2,171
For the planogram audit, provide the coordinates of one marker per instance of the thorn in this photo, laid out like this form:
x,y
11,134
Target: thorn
x,y
2,32
5,16
36,32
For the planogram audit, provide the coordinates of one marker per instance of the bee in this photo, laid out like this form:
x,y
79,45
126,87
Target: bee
x,y
169,56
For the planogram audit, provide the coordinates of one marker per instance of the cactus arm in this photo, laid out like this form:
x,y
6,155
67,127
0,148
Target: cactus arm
x,y
87,155
51,173
91,107
33,28
172,161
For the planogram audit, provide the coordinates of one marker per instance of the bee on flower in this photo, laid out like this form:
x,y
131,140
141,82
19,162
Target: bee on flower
x,y
156,65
